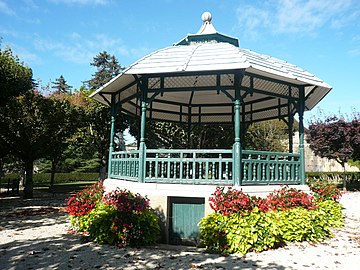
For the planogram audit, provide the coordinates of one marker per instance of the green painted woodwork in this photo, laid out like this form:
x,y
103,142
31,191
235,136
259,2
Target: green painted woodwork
x,y
124,165
142,147
185,214
301,134
217,166
237,127
270,168
211,166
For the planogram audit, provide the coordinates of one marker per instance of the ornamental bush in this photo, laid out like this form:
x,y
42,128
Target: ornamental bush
x,y
118,218
236,201
82,202
325,190
257,224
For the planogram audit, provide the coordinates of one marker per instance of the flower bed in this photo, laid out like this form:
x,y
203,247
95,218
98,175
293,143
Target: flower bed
x,y
242,223
119,217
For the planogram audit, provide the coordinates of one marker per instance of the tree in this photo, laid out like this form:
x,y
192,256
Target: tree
x,y
62,121
15,77
24,130
98,115
335,138
107,68
269,135
60,86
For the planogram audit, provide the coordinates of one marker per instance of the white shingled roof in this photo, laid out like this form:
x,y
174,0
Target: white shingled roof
x,y
269,75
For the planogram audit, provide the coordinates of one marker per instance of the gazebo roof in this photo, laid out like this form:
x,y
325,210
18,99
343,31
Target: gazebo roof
x,y
197,74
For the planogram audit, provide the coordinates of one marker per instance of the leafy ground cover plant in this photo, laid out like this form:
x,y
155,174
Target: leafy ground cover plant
x,y
258,224
119,217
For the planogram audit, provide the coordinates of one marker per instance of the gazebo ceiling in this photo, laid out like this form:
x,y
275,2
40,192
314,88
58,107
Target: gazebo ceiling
x,y
194,80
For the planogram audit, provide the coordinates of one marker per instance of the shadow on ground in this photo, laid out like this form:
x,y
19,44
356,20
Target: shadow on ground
x,y
69,252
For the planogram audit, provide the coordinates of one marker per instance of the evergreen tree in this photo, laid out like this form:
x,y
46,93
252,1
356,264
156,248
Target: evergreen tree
x,y
60,86
98,116
107,68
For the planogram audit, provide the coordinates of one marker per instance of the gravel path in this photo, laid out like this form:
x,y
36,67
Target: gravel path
x,y
33,235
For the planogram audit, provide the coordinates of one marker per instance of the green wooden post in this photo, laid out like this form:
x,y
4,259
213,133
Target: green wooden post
x,y
237,144
112,131
291,134
301,134
142,147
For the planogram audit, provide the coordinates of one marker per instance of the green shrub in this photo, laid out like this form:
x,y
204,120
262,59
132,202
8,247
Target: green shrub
x,y
255,230
119,218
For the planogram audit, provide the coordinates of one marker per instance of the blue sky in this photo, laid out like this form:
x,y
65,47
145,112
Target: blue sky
x,y
61,37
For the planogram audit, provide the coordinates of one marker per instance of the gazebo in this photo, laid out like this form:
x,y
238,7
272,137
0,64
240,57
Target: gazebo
x,y
207,78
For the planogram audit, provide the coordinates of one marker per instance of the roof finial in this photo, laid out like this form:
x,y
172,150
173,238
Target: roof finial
x,y
206,17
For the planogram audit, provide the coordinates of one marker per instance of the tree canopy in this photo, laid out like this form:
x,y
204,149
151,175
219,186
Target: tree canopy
x,y
107,68
15,77
335,138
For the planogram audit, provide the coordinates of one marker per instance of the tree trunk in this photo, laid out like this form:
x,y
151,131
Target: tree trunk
x,y
29,184
344,176
52,176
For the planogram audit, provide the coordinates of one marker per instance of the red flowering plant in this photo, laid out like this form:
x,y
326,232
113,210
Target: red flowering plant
x,y
230,201
82,202
324,190
126,202
236,201
287,198
135,223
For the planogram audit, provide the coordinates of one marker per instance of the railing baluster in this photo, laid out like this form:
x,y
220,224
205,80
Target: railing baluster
x,y
162,169
156,174
207,169
168,167
200,170
213,170
220,167
150,169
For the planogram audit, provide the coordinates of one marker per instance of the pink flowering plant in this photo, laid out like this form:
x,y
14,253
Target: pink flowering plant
x,y
120,218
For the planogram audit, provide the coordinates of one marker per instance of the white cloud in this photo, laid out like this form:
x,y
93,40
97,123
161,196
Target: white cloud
x,y
81,50
81,2
4,8
294,16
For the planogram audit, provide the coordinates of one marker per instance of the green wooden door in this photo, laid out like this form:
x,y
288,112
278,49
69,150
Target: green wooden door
x,y
185,214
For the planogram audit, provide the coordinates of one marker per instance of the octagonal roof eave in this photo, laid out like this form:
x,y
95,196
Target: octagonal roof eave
x,y
196,58
210,51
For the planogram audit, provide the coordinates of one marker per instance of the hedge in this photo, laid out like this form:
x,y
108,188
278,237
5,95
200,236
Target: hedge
x,y
59,177
334,176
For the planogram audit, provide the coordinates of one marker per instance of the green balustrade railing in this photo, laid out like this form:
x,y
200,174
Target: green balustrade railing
x,y
125,165
189,166
215,166
270,168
